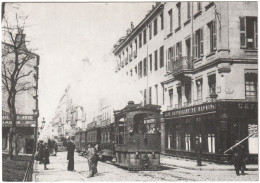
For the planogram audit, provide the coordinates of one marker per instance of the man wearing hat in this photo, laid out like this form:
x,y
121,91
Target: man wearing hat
x,y
239,157
70,155
198,150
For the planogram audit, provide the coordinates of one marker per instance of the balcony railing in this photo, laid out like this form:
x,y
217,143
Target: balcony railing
x,y
182,64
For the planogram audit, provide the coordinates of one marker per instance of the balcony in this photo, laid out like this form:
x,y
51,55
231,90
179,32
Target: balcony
x,y
182,66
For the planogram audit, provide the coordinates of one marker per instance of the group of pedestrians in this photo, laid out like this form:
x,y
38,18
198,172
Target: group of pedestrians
x,y
92,156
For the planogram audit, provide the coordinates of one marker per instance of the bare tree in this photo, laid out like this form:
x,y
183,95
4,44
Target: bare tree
x,y
16,68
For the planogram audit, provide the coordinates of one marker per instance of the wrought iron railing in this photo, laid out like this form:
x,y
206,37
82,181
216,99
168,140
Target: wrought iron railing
x,y
29,170
182,64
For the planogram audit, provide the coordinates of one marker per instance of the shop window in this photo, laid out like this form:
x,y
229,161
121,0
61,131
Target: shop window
x,y
251,85
212,84
211,143
155,30
178,140
169,141
187,142
198,44
199,89
248,32
212,35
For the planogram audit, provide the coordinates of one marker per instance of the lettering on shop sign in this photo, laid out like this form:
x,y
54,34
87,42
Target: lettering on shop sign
x,y
19,117
8,123
191,110
247,106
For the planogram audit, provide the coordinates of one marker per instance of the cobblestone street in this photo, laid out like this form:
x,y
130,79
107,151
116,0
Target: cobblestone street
x,y
108,172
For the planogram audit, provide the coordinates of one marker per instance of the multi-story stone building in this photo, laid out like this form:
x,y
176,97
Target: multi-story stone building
x,y
198,60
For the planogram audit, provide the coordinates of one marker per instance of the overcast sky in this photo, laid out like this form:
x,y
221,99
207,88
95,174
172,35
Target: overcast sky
x,y
66,33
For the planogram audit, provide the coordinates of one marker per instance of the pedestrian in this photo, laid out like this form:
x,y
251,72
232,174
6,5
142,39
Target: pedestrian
x,y
50,145
55,147
198,150
70,155
92,160
239,158
40,151
46,155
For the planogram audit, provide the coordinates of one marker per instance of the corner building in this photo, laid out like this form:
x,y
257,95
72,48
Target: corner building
x,y
208,84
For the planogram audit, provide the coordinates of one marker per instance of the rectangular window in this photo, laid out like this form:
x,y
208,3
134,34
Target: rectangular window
x,y
155,60
188,10
212,35
140,69
145,98
199,6
198,44
140,40
135,52
156,94
211,143
199,89
150,31
162,26
131,72
170,19
151,62
145,67
212,84
248,32
179,92
251,85
135,69
170,59
179,14
144,35
171,97
155,27
178,50
161,56
150,95
187,142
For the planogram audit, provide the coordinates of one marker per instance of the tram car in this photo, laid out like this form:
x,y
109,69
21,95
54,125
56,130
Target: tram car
x,y
138,137
106,145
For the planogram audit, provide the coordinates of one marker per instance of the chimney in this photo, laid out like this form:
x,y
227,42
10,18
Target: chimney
x,y
132,26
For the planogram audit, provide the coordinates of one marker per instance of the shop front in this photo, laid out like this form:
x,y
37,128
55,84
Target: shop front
x,y
25,133
217,125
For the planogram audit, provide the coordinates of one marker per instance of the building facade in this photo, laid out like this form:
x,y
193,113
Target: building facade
x,y
198,60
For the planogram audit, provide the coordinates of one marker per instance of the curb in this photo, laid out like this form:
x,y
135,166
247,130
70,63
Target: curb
x,y
208,169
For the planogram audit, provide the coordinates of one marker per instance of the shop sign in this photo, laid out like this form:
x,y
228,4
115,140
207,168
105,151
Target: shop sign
x,y
191,110
6,123
20,117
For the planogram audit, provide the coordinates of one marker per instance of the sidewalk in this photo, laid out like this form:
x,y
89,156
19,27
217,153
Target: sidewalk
x,y
192,164
57,171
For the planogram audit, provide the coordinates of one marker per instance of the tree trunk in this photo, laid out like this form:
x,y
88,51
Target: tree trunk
x,y
11,144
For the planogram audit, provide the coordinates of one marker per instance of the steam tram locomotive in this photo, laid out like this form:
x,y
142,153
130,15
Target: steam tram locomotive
x,y
133,139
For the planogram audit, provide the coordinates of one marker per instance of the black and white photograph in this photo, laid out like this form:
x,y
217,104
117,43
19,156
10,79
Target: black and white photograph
x,y
131,91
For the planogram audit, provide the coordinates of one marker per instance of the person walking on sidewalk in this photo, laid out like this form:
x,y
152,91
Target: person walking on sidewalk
x,y
55,147
70,155
46,155
92,160
198,150
239,158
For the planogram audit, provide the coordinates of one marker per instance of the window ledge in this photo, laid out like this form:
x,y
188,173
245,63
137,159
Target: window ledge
x,y
197,59
210,54
179,28
197,14
249,50
209,5
187,22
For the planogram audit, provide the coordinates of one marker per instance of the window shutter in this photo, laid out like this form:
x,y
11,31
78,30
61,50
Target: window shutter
x,y
194,45
243,32
201,42
214,26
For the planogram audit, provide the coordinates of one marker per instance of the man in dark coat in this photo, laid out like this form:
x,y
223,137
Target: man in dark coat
x,y
239,158
55,147
92,160
70,156
46,155
40,151
198,150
